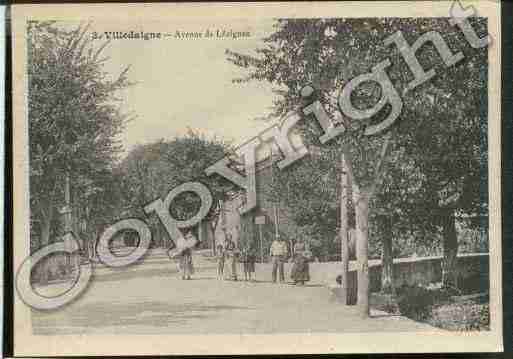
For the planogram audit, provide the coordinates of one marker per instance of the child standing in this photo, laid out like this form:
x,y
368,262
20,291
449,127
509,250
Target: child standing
x,y
220,262
248,263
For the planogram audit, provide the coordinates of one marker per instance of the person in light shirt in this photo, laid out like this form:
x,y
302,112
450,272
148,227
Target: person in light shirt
x,y
279,253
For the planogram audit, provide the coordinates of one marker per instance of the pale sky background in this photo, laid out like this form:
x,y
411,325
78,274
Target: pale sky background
x,y
188,82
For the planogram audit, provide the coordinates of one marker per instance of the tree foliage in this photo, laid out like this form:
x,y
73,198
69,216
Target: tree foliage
x,y
436,162
150,171
74,118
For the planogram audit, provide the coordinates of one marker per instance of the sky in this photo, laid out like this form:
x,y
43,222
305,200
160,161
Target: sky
x,y
185,83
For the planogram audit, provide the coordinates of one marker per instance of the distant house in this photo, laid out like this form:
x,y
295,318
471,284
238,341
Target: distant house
x,y
243,227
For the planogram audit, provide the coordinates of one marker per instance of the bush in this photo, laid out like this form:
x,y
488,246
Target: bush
x,y
415,301
484,318
444,308
461,316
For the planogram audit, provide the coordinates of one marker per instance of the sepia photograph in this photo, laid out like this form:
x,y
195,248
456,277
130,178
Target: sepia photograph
x,y
257,178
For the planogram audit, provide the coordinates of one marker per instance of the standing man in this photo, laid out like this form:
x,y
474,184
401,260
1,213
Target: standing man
x,y
279,256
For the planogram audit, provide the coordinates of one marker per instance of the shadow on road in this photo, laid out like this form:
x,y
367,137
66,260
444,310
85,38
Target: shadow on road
x,y
200,278
117,274
108,314
387,315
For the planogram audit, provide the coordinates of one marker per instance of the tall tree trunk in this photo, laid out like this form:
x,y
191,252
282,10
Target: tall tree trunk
x,y
45,230
89,245
213,237
387,260
94,239
203,237
68,222
450,246
160,242
201,234
344,245
46,211
361,202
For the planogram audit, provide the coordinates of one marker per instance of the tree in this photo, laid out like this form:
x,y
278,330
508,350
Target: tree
x,y
328,53
152,170
74,118
450,152
312,51
310,191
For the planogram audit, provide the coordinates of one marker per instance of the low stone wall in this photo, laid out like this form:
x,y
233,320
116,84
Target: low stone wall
x,y
472,272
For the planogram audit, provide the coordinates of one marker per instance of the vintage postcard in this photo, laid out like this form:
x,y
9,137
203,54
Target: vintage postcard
x,y
257,178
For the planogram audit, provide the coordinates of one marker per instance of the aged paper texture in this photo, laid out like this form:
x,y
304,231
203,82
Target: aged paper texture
x,y
253,178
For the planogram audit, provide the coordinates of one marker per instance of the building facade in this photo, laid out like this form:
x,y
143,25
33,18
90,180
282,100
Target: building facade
x,y
259,226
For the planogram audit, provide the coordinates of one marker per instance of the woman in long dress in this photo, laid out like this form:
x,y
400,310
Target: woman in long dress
x,y
230,269
186,265
300,272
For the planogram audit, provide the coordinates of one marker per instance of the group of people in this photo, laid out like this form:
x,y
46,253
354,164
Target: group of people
x,y
229,257
300,272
